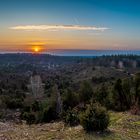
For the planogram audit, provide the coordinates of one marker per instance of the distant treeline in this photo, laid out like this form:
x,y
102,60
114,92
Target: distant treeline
x,y
26,63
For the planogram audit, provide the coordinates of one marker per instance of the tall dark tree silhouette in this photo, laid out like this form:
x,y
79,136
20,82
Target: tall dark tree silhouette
x,y
120,97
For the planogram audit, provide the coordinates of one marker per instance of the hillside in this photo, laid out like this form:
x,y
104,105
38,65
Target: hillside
x,y
123,126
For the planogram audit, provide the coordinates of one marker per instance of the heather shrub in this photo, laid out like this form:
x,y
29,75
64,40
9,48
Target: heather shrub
x,y
95,118
70,117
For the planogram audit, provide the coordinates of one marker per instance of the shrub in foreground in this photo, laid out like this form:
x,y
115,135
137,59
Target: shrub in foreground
x,y
70,100
48,115
95,118
29,117
14,103
70,117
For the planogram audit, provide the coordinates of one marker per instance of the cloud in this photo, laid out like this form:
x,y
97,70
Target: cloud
x,y
58,27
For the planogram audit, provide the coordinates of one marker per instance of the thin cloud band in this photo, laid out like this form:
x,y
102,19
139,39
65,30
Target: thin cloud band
x,y
58,27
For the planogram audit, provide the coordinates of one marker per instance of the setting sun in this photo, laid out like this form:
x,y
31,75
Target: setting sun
x,y
36,49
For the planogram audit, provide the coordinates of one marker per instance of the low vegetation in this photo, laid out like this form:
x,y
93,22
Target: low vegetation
x,y
123,126
81,95
95,118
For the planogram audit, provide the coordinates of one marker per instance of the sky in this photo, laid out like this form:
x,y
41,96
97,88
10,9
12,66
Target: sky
x,y
69,24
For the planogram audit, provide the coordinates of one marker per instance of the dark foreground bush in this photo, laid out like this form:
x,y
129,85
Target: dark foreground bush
x,y
36,106
14,103
70,100
70,117
49,114
95,118
29,117
38,113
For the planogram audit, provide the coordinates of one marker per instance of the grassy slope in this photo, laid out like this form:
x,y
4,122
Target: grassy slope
x,y
87,73
123,126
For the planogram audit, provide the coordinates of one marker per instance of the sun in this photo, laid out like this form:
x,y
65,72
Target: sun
x,y
36,49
